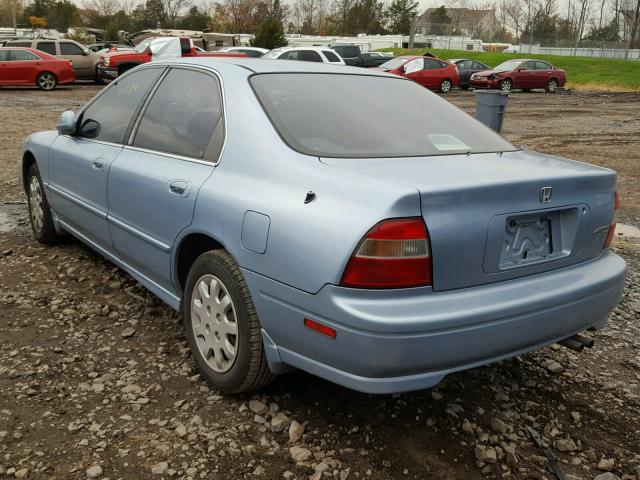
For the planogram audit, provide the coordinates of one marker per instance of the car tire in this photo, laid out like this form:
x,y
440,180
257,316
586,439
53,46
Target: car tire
x,y
222,326
505,85
40,215
46,81
526,90
464,87
445,86
552,86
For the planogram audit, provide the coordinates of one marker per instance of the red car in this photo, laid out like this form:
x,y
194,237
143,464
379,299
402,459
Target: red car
x,y
429,72
114,64
525,74
28,66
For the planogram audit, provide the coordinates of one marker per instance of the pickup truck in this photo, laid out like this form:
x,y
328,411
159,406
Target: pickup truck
x,y
114,64
352,55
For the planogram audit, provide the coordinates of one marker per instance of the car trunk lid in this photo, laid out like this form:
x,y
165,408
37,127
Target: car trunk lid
x,y
493,217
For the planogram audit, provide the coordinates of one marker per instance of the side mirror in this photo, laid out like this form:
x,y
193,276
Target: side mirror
x,y
86,52
90,129
402,69
67,123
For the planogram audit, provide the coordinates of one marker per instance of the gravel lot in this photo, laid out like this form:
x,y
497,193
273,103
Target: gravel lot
x,y
96,380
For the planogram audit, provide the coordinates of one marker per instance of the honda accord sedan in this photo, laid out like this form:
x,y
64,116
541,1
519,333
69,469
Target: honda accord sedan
x,y
269,203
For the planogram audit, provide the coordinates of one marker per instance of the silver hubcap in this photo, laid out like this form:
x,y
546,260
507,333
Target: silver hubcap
x,y
446,86
47,81
505,86
213,320
35,203
552,86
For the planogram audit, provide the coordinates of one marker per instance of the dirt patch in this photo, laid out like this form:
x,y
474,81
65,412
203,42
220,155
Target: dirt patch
x,y
96,379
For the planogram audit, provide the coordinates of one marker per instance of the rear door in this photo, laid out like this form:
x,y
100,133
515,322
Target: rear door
x,y
434,72
464,70
544,71
153,185
79,164
22,67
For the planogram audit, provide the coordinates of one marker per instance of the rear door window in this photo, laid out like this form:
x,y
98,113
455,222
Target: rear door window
x,y
22,55
542,66
431,64
67,48
47,47
182,116
4,55
108,117
350,52
309,56
479,66
332,57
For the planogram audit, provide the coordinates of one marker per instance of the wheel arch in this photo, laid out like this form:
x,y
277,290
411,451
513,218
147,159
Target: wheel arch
x,y
28,159
189,248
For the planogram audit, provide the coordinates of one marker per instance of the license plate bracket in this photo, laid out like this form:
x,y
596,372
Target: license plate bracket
x,y
528,239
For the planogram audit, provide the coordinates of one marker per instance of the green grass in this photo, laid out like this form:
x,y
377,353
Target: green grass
x,y
583,73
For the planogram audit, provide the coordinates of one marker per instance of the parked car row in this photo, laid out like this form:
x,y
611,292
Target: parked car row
x,y
105,62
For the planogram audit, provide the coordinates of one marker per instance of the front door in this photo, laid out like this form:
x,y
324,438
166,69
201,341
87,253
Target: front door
x,y
79,164
21,67
154,183
526,76
414,69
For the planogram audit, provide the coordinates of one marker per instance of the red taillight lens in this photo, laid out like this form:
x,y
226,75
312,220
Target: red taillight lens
x,y
612,228
394,254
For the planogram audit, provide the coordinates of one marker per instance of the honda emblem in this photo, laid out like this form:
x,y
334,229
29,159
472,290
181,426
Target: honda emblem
x,y
545,194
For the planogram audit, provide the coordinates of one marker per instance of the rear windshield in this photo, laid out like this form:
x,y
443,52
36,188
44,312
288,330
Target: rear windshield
x,y
353,116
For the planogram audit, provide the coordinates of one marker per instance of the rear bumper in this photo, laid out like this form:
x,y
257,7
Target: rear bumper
x,y
66,78
392,341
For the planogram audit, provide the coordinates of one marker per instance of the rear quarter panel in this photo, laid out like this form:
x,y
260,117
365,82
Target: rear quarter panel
x,y
308,244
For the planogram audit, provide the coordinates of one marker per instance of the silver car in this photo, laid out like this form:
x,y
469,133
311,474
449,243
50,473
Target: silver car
x,y
297,224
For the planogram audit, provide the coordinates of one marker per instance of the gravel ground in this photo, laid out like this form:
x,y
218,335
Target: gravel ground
x,y
96,380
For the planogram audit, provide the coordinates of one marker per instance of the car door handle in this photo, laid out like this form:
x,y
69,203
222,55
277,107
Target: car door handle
x,y
179,187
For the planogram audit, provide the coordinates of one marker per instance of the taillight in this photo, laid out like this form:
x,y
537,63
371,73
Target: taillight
x,y
612,227
394,254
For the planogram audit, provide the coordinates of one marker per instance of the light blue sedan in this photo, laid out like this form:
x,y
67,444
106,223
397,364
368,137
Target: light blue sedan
x,y
297,223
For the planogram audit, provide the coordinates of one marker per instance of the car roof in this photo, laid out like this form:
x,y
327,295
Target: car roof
x,y
257,65
315,47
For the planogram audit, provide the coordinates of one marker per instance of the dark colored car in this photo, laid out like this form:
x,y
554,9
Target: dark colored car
x,y
352,55
467,67
29,67
432,73
525,74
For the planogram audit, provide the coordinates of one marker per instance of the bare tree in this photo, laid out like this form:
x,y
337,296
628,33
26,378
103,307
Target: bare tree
x,y
14,7
582,14
514,14
309,16
173,9
104,8
635,24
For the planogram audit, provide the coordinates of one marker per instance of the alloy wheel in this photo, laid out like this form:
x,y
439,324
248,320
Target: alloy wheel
x,y
35,204
552,86
214,324
47,81
445,86
505,85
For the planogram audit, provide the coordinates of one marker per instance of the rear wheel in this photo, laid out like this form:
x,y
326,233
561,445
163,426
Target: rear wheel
x,y
46,81
505,85
222,326
39,210
445,86
552,86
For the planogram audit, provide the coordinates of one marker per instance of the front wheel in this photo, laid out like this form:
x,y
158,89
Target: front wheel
x,y
552,86
505,85
445,86
39,211
46,81
222,326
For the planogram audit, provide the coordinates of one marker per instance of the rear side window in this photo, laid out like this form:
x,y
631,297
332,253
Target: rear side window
x,y
349,52
431,64
21,55
4,55
47,47
309,56
332,57
332,115
108,117
182,115
67,48
542,66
